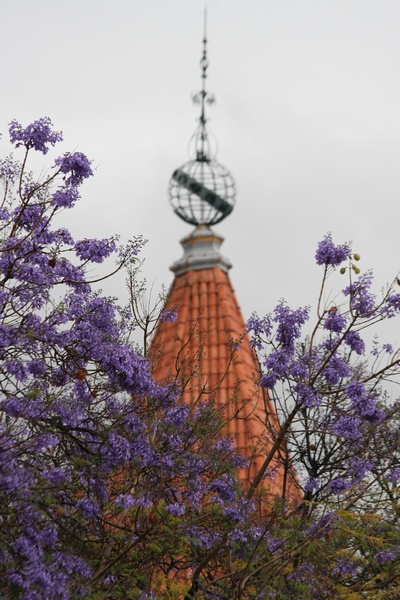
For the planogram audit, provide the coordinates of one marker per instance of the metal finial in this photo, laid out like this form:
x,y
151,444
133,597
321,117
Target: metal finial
x,y
202,191
201,139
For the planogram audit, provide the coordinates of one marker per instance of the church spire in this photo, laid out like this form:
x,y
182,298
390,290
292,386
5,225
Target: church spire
x,y
206,348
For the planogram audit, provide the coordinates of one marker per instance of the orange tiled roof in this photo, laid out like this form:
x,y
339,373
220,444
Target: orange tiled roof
x,y
208,342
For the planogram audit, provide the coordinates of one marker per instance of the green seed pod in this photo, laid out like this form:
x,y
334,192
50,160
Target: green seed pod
x,y
356,269
343,270
356,256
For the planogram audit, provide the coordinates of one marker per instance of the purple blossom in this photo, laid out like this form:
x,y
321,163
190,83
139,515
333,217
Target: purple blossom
x,y
16,368
38,135
303,573
299,370
339,485
384,556
45,441
289,324
65,197
224,487
117,452
125,500
355,342
176,509
258,328
364,402
277,363
329,254
392,306
311,484
177,415
347,427
225,445
346,568
334,321
235,515
143,501
4,214
95,250
56,475
36,367
357,469
336,370
306,396
362,302
268,381
394,475
356,392
328,519
168,315
89,507
76,166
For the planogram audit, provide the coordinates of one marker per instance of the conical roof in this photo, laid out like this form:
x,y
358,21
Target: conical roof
x,y
207,348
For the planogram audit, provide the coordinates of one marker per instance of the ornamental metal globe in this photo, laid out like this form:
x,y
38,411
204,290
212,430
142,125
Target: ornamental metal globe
x,y
202,192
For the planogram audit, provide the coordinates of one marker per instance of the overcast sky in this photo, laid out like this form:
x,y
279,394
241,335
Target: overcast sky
x,y
307,120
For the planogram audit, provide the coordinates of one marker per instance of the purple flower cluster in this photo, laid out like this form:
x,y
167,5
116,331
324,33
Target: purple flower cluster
x,y
347,427
364,402
385,556
330,255
362,302
176,509
311,484
95,250
288,324
336,370
268,380
357,469
356,343
346,568
65,197
335,321
391,307
306,396
394,475
76,167
168,316
339,485
38,135
260,329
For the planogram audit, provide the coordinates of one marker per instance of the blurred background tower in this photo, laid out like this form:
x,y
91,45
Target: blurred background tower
x,y
206,348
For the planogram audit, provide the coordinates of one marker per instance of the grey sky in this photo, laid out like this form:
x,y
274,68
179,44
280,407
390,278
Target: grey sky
x,y
307,119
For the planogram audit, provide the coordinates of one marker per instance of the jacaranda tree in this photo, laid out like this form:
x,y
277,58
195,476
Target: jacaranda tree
x,y
112,487
333,385
107,480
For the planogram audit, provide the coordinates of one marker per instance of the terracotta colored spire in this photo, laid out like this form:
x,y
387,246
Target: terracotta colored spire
x,y
207,348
